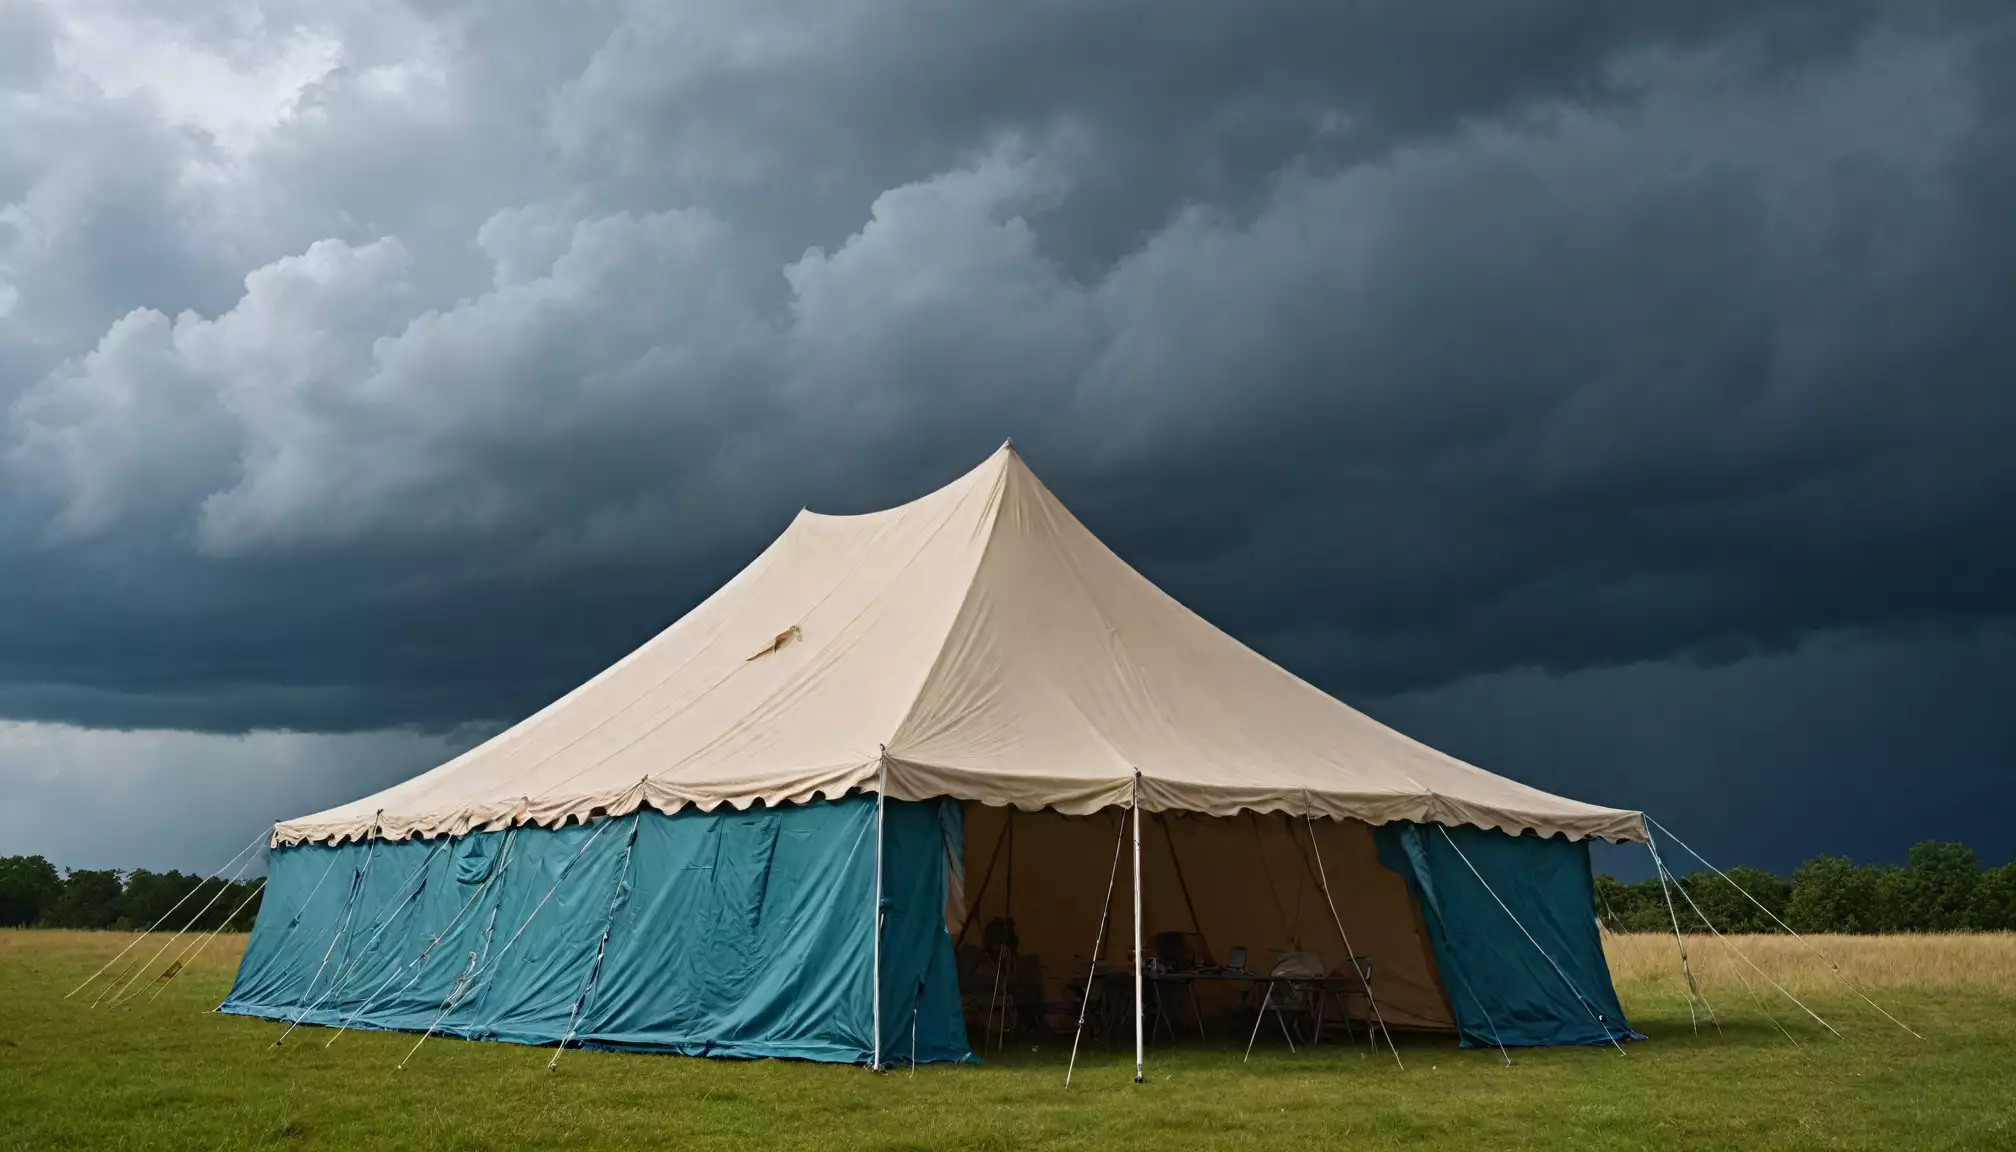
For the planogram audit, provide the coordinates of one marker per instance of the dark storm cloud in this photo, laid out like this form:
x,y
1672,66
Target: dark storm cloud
x,y
403,367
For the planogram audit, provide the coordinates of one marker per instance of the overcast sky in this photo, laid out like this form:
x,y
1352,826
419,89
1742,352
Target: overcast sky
x,y
1618,393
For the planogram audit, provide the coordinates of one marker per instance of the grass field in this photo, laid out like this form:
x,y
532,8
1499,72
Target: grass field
x,y
166,1073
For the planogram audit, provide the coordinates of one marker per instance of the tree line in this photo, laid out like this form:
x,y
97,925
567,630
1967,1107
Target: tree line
x,y
1941,888
33,894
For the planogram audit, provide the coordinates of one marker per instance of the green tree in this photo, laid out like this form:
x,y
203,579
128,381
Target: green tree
x,y
1636,907
1939,880
1992,907
90,899
150,895
29,885
1889,909
1651,915
1830,894
1729,909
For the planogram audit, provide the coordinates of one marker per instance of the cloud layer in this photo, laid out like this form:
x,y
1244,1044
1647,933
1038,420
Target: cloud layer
x,y
400,367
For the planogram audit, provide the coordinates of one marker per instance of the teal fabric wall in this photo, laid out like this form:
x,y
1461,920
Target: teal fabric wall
x,y
729,933
1500,986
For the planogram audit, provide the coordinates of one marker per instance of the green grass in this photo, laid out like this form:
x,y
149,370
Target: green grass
x,y
167,1073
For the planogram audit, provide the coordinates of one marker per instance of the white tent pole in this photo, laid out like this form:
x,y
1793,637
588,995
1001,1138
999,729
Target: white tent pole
x,y
1831,965
1601,1024
881,799
1753,964
1098,948
1687,973
1740,979
1135,802
164,916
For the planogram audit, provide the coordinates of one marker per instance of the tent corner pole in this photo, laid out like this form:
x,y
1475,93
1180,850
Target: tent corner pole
x,y
881,798
1135,803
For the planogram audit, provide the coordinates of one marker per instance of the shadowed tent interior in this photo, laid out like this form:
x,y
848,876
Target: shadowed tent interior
x,y
1255,883
780,822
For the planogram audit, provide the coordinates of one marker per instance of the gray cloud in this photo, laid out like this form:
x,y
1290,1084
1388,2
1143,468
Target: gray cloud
x,y
164,799
402,367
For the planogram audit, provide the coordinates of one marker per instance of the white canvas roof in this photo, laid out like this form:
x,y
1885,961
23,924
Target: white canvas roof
x,y
977,643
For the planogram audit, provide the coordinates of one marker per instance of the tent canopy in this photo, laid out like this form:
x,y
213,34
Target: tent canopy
x,y
978,643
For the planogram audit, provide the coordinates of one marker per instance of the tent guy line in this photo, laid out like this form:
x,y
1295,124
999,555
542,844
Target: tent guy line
x,y
418,963
122,994
203,942
1832,967
468,987
1349,952
338,981
1688,986
357,879
1098,948
616,900
257,842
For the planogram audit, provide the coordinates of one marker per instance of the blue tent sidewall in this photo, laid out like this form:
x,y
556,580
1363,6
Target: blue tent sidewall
x,y
1501,985
725,933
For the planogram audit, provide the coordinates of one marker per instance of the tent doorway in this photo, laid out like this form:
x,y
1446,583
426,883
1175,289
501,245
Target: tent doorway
x,y
1468,931
1221,896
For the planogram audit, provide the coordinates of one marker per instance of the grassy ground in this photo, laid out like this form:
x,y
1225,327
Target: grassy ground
x,y
165,1073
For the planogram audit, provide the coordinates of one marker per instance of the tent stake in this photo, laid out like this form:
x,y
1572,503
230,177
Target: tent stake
x,y
1135,801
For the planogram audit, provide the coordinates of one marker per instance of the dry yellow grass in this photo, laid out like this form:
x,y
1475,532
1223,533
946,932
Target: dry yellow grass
x,y
35,952
1649,963
1643,965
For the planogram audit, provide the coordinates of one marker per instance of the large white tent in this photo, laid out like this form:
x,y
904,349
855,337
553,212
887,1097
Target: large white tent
x,y
977,643
943,674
